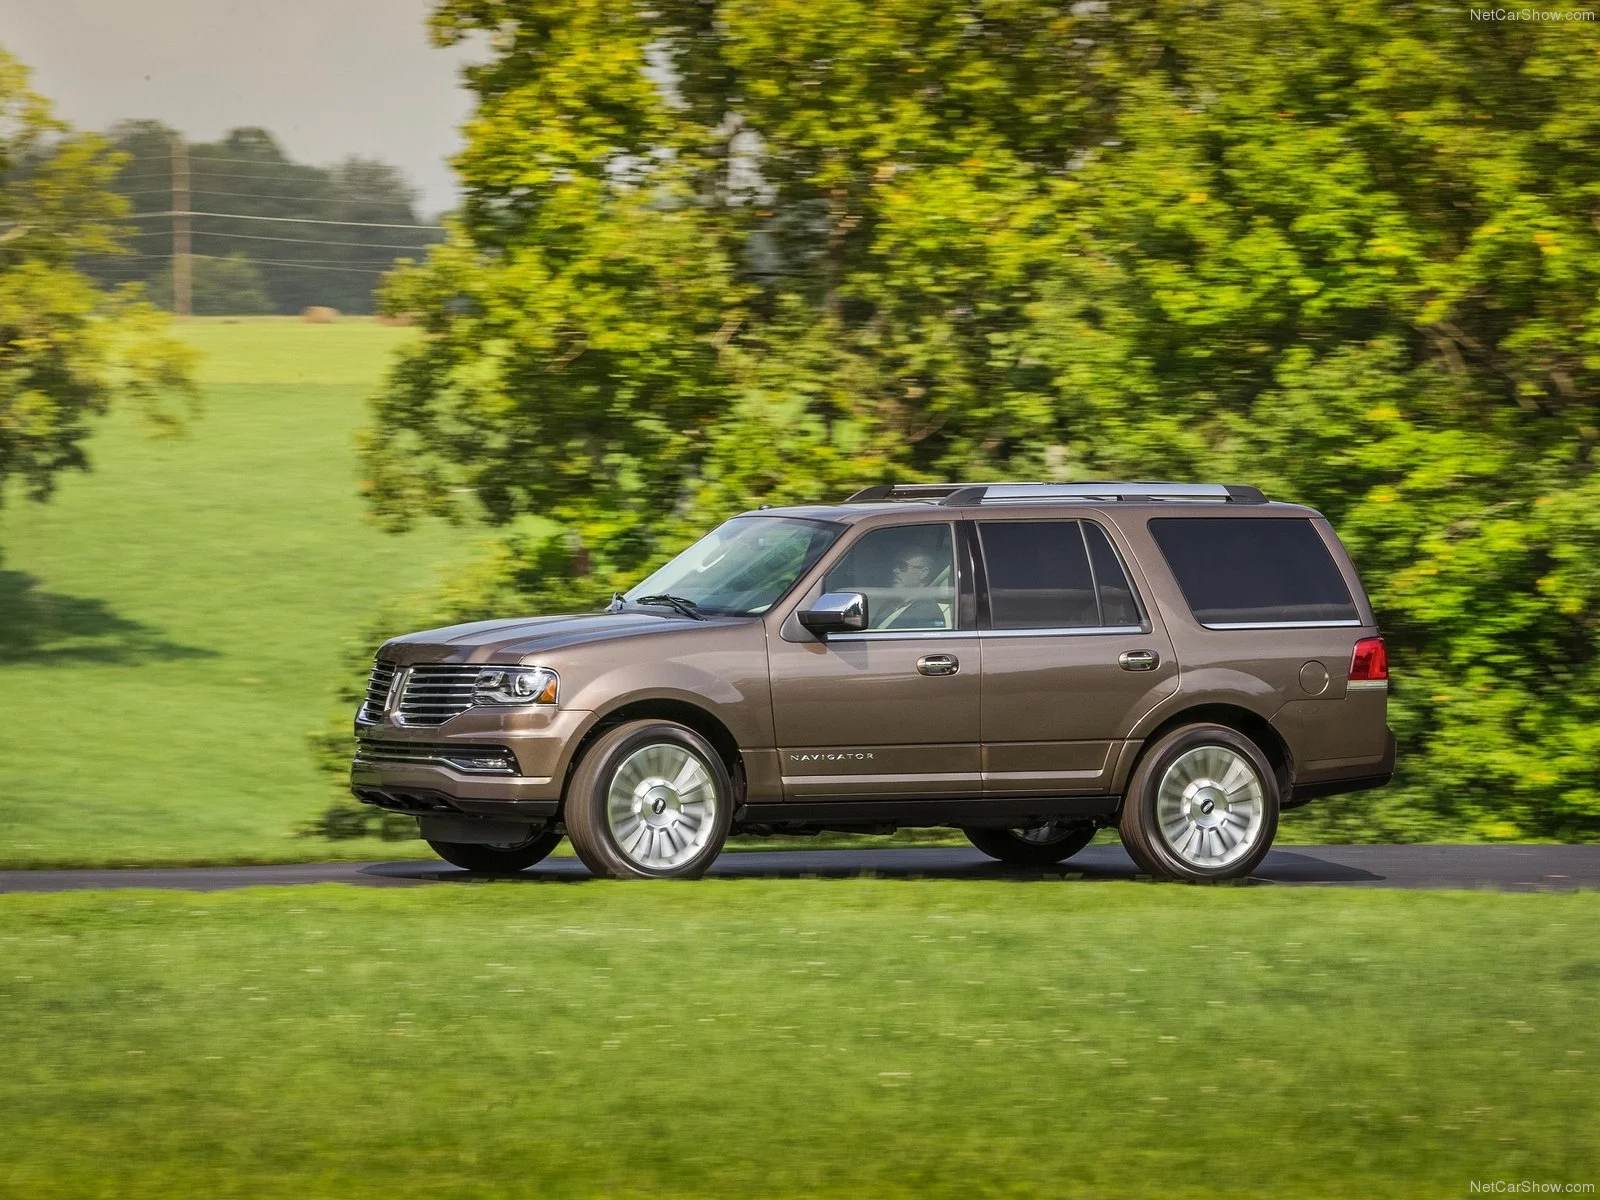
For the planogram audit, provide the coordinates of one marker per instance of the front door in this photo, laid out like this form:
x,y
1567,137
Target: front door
x,y
1071,659
890,713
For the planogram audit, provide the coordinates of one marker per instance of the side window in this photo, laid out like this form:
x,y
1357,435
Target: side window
x,y
1038,575
1117,603
907,573
1254,570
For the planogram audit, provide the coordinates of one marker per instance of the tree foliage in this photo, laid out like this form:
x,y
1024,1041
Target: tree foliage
x,y
68,350
227,285
720,253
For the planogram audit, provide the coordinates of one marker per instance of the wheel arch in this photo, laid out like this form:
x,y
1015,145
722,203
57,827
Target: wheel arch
x,y
662,708
1236,717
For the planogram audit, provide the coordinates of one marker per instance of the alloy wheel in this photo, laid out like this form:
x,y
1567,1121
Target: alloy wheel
x,y
1210,806
661,806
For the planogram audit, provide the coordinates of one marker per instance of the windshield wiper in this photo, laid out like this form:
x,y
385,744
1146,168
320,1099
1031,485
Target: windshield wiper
x,y
678,604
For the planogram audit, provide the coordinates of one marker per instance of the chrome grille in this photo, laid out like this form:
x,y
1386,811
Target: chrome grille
x,y
436,692
377,693
470,759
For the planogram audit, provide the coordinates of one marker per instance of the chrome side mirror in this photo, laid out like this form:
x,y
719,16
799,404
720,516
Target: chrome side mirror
x,y
835,612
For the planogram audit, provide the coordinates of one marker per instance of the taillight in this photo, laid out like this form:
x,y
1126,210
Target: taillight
x,y
1370,661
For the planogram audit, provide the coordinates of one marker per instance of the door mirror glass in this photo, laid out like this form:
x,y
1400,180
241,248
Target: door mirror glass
x,y
836,612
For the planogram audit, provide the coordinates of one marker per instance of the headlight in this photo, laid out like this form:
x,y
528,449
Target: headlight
x,y
515,685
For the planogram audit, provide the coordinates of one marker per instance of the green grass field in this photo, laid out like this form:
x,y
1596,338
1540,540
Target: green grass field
x,y
171,623
815,1038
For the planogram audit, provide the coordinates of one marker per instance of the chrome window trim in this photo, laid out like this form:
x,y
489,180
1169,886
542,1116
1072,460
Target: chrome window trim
x,y
1064,631
923,635
1352,624
900,635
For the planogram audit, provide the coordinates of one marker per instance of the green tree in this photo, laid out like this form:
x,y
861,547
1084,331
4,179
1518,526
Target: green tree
x,y
229,285
247,173
713,254
68,350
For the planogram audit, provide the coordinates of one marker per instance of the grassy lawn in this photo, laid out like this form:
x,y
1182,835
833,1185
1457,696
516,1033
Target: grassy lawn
x,y
845,1038
170,623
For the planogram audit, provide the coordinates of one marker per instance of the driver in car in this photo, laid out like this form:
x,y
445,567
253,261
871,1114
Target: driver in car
x,y
910,576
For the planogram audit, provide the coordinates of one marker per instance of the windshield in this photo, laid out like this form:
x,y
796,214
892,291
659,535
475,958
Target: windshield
x,y
742,567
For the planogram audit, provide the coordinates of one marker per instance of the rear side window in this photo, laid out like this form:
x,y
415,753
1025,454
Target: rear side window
x,y
1117,603
1252,571
1054,575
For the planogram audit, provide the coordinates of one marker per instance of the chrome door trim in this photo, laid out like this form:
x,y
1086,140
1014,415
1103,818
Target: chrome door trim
x,y
887,635
1067,631
1353,624
895,635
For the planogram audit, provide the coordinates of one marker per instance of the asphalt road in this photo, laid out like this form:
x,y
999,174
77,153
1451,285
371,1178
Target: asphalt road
x,y
1500,868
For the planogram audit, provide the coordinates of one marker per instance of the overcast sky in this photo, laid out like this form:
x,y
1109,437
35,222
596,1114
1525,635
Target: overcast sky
x,y
327,77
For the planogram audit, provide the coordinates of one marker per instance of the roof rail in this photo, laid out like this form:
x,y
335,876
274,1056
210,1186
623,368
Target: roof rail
x,y
911,491
963,495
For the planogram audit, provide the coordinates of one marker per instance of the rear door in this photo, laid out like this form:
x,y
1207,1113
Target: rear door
x,y
1071,656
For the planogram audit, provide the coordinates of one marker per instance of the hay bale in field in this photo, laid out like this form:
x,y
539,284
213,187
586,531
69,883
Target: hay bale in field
x,y
319,314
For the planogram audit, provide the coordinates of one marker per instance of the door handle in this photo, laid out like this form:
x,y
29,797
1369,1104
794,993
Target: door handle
x,y
1138,660
938,664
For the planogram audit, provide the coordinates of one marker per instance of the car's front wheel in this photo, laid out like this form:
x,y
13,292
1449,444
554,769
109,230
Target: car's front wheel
x,y
1039,846
1202,805
500,859
649,800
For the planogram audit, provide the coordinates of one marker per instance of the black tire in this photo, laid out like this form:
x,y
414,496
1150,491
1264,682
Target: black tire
x,y
588,811
1009,846
1152,848
498,860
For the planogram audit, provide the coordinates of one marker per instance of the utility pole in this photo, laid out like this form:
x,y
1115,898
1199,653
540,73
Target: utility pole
x,y
182,299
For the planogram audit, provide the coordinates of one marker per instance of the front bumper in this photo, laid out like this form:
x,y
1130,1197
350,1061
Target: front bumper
x,y
540,743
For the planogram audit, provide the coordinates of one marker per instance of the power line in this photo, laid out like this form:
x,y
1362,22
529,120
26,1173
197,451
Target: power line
x,y
236,257
291,220
136,170
310,265
267,237
277,163
205,191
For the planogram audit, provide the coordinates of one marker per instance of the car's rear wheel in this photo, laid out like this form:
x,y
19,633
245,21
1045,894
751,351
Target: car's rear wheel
x,y
1038,846
1202,805
502,858
649,800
